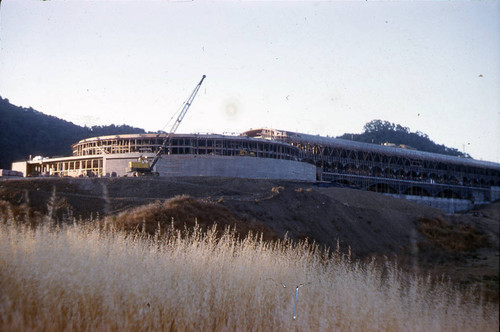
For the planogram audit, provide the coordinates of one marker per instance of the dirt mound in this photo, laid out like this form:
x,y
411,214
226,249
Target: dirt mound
x,y
458,237
186,212
490,211
463,246
366,222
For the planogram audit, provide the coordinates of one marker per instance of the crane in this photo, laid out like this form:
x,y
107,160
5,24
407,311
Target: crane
x,y
142,166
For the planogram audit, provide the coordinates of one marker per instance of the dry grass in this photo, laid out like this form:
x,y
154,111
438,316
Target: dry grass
x,y
81,277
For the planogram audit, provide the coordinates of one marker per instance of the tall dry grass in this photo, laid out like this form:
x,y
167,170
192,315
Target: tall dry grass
x,y
80,277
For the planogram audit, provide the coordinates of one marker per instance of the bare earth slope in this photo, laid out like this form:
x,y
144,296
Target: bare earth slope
x,y
464,247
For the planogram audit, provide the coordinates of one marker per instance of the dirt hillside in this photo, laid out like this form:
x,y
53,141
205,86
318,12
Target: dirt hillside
x,y
464,247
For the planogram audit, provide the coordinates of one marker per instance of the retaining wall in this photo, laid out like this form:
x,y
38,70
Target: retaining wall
x,y
449,205
223,166
235,166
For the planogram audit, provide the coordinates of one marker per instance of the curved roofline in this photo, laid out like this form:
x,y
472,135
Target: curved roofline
x,y
343,143
285,137
195,135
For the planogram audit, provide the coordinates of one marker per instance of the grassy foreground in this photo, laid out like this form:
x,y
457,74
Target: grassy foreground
x,y
82,277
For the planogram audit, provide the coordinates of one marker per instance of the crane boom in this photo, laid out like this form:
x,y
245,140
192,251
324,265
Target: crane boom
x,y
142,166
176,124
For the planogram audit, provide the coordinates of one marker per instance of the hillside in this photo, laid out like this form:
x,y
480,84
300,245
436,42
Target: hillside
x,y
462,247
380,132
25,132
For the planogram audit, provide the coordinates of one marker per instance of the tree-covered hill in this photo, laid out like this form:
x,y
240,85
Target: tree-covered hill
x,y
25,132
380,132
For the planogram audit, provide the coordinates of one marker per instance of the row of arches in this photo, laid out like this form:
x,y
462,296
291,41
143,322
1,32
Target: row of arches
x,y
411,190
409,174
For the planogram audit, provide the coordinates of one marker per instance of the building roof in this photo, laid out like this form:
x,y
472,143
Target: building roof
x,y
301,138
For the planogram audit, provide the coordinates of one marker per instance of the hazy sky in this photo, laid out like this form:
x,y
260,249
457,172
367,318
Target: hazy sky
x,y
316,67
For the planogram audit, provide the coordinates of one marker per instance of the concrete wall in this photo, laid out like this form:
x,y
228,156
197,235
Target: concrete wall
x,y
235,166
20,166
225,166
449,205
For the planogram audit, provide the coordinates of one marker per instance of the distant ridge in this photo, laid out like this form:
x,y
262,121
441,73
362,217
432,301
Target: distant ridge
x,y
385,132
25,132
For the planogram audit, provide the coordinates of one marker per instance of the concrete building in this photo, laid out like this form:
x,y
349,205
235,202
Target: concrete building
x,y
211,154
188,155
447,182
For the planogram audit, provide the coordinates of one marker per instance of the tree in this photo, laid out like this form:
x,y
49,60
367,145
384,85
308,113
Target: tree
x,y
379,132
379,125
25,131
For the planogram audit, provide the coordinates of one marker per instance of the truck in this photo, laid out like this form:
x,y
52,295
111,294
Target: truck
x,y
10,173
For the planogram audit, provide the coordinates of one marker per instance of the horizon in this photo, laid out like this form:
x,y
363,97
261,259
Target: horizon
x,y
279,129
319,68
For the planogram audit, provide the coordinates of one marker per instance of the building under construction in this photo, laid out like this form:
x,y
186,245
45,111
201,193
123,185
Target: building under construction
x,y
277,154
392,170
186,155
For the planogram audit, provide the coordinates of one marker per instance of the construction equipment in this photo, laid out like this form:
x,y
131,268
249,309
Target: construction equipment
x,y
142,166
246,153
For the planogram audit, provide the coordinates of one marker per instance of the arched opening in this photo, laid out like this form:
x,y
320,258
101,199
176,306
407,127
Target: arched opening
x,y
377,171
340,167
466,181
397,173
351,168
364,170
454,180
381,188
344,182
412,175
416,191
432,178
448,193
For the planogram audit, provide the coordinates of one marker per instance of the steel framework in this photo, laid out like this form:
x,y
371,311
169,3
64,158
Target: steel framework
x,y
385,166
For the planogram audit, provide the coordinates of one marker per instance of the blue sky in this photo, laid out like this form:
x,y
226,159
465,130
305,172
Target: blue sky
x,y
316,67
